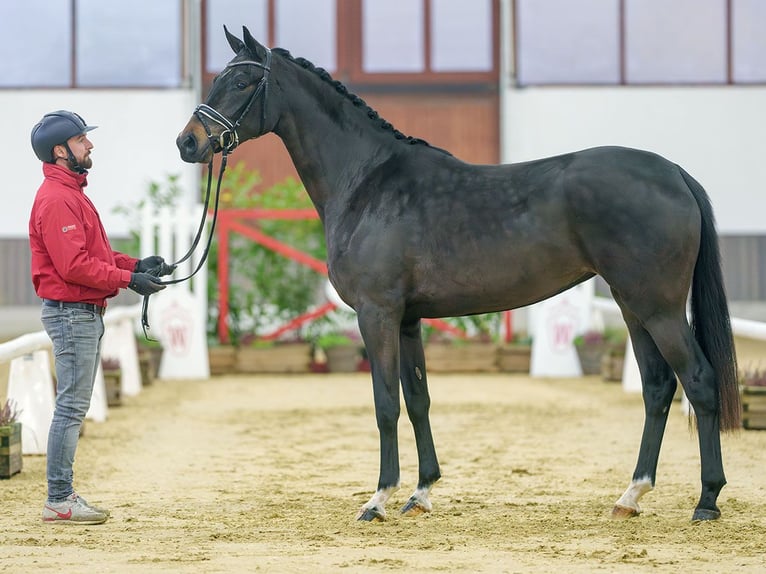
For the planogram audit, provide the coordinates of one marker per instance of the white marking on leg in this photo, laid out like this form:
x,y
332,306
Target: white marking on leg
x,y
379,499
421,496
635,491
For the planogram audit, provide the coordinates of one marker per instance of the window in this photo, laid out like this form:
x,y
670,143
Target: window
x,y
44,28
437,39
565,42
748,41
305,27
138,47
640,41
90,43
683,41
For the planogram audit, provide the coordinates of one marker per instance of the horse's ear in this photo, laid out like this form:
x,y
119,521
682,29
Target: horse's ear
x,y
235,43
257,49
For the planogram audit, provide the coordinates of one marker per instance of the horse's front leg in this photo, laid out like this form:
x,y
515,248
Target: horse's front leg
x,y
380,332
415,388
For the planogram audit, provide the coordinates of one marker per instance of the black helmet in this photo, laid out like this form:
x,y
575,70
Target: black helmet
x,y
54,129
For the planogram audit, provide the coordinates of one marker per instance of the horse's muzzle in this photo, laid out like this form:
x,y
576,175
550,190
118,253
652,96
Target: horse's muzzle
x,y
191,151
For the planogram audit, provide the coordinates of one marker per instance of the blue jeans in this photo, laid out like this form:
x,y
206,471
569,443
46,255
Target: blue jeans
x,y
76,336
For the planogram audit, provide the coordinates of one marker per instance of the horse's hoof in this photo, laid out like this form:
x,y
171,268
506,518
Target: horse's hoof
x,y
705,514
414,508
373,514
623,512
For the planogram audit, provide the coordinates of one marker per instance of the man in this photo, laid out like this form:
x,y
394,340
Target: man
x,y
74,272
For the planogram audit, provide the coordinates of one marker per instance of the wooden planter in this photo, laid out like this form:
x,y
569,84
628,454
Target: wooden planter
x,y
754,407
222,360
149,364
113,387
612,366
590,357
461,358
281,358
10,450
513,358
343,358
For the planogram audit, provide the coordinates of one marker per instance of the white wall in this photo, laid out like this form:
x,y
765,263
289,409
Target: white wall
x,y
133,146
718,134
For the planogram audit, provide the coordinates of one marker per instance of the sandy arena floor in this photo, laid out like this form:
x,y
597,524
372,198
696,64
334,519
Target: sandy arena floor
x,y
266,474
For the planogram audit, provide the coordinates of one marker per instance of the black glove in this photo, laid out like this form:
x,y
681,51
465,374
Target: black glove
x,y
155,265
145,284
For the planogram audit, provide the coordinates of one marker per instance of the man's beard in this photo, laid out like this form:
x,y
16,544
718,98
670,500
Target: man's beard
x,y
85,163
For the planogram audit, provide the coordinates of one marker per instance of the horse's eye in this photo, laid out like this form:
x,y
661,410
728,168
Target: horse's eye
x,y
241,85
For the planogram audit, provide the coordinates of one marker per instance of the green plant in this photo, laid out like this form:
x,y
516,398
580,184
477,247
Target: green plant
x,y
265,288
9,413
610,336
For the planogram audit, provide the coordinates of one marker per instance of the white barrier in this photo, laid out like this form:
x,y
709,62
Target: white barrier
x,y
170,232
30,384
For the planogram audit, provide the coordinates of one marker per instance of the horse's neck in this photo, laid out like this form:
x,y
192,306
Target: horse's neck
x,y
330,156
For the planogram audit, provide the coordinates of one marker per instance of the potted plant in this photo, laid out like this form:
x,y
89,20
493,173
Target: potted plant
x,y
10,440
752,385
613,359
110,368
343,351
592,345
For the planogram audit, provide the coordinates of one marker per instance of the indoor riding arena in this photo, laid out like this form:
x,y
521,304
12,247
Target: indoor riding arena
x,y
266,473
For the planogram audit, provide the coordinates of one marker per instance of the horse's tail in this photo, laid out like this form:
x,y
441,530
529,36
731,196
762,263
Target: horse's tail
x,y
710,313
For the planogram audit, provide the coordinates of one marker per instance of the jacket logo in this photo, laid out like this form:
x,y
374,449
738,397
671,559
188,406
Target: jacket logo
x,y
68,228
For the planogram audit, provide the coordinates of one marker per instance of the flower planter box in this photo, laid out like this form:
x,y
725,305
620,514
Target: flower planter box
x,y
590,357
754,407
612,367
461,358
513,358
149,364
222,360
113,387
281,358
10,450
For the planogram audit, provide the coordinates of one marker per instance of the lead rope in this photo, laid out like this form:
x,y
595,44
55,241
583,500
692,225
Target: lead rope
x,y
156,271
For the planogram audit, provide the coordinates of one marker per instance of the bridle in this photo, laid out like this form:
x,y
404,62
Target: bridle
x,y
227,140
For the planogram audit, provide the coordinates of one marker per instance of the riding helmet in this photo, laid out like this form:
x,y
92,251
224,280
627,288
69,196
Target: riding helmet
x,y
56,128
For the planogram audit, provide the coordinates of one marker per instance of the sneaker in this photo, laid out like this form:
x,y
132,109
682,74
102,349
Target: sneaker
x,y
75,510
94,507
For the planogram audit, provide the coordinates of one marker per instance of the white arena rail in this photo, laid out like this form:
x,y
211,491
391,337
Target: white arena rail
x,y
30,380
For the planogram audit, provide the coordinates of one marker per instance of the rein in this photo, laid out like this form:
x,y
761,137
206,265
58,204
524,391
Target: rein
x,y
227,140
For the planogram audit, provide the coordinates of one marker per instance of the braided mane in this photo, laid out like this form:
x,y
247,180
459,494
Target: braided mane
x,y
356,100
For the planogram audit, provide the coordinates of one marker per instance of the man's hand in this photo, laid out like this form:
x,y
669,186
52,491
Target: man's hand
x,y
145,284
155,265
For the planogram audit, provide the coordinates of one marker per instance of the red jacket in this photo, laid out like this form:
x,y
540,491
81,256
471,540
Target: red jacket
x,y
71,256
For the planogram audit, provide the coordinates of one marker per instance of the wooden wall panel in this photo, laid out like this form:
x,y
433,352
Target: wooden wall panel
x,y
467,125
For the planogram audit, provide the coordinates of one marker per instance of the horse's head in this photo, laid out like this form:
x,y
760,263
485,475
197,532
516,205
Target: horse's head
x,y
235,109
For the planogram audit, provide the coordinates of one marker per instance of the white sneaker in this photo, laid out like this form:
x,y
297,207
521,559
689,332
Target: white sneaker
x,y
75,510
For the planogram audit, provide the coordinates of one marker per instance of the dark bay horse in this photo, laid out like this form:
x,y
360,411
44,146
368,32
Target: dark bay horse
x,y
413,233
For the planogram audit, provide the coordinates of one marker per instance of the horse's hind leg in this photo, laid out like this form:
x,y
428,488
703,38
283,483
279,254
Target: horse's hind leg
x,y
659,385
415,389
675,340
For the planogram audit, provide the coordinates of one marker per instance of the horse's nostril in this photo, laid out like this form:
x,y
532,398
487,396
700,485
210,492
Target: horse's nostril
x,y
190,143
186,145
